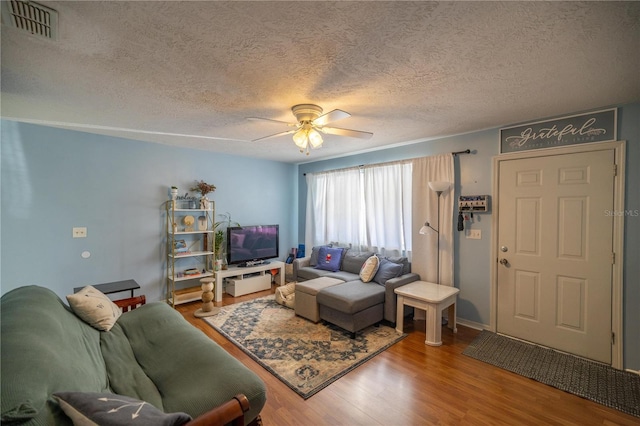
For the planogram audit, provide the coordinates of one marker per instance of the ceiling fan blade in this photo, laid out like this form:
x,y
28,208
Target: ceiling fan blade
x,y
346,132
335,115
273,121
288,132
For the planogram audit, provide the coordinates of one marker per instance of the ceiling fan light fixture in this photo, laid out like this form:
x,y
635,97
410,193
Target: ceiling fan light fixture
x,y
315,139
300,138
310,121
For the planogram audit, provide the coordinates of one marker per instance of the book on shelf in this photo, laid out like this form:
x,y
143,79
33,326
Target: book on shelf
x,y
180,246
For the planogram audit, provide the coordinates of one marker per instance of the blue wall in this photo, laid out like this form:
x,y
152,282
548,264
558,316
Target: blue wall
x,y
54,180
472,259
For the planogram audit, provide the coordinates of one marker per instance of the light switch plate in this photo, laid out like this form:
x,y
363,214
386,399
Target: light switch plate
x,y
474,234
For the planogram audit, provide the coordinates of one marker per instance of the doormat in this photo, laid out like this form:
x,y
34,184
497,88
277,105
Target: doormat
x,y
305,356
588,379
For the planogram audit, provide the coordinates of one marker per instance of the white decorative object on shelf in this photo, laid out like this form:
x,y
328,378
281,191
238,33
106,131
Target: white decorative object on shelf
x,y
202,223
204,188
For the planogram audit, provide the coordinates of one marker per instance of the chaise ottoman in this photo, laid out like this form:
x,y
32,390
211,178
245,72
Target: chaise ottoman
x,y
306,305
353,305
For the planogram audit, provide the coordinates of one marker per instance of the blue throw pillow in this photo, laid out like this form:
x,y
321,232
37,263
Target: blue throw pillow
x,y
315,251
329,259
386,271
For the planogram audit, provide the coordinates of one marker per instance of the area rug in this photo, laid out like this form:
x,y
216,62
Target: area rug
x,y
587,379
305,356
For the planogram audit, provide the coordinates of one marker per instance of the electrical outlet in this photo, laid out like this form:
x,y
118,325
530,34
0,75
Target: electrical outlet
x,y
80,232
474,234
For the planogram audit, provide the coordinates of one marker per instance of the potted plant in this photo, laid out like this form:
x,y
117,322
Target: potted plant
x,y
220,234
203,188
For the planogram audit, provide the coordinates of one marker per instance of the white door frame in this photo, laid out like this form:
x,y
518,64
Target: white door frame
x,y
619,148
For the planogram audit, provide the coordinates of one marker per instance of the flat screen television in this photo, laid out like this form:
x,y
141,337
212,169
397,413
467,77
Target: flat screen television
x,y
252,244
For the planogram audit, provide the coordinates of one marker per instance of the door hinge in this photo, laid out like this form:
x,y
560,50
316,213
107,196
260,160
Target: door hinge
x,y
615,170
613,338
613,258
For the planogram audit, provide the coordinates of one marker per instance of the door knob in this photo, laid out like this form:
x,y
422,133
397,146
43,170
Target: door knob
x,y
504,262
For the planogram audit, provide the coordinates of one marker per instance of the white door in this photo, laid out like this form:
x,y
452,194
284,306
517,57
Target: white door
x,y
555,248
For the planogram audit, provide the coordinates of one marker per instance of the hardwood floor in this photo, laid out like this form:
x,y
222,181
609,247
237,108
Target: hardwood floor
x,y
414,384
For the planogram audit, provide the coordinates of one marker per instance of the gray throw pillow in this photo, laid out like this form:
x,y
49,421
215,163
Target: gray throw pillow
x,y
406,266
387,270
106,409
313,261
353,260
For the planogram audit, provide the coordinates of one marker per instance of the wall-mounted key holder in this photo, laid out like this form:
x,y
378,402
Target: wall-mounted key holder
x,y
473,203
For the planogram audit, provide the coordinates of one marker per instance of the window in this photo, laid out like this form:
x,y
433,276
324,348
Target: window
x,y
366,207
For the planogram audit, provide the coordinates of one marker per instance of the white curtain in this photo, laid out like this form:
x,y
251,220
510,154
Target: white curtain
x,y
367,208
387,197
335,208
425,209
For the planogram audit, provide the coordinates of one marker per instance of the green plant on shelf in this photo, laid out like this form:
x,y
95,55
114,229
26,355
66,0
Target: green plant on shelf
x,y
220,228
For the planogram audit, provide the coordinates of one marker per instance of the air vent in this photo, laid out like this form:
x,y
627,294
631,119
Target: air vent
x,y
29,16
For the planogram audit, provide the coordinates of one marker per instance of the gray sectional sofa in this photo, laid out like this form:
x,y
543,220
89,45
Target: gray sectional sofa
x,y
337,302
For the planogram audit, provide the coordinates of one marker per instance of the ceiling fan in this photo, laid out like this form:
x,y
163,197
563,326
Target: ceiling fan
x,y
310,122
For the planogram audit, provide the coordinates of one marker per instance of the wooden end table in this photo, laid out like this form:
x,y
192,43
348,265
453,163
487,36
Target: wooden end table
x,y
433,298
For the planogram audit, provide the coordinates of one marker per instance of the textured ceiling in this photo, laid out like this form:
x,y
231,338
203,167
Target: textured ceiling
x,y
190,73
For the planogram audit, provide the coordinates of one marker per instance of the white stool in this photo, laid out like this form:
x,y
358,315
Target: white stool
x,y
433,298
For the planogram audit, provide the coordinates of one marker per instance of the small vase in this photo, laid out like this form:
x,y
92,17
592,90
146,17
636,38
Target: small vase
x,y
204,203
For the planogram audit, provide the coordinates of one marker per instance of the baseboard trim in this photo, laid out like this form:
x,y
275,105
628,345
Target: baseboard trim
x,y
472,324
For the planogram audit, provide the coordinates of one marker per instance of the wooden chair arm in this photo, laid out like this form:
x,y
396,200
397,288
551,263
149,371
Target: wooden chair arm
x,y
130,303
231,411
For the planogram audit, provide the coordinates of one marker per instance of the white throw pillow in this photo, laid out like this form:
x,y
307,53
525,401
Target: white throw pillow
x,y
369,268
94,308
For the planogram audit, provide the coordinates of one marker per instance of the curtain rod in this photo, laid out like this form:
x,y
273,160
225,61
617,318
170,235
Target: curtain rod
x,y
466,151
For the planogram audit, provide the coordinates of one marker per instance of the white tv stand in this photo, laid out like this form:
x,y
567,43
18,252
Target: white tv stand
x,y
239,274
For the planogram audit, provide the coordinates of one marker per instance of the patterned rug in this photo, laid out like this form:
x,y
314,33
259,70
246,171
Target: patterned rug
x,y
307,357
587,379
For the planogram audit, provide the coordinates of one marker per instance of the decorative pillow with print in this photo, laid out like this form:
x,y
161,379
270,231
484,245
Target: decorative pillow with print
x,y
329,259
369,268
94,308
91,408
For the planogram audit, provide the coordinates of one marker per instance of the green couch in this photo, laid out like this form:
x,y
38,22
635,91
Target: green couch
x,y
152,353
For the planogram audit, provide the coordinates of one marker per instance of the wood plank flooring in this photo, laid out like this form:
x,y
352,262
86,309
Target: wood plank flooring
x,y
414,384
